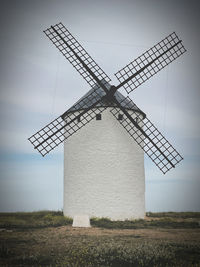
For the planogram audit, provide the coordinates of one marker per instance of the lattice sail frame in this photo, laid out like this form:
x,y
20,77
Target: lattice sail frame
x,y
160,49
157,148
154,134
79,50
67,124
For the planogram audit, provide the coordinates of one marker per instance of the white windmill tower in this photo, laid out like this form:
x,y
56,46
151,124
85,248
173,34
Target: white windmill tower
x,y
103,164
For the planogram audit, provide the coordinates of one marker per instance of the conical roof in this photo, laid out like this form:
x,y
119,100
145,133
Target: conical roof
x,y
89,98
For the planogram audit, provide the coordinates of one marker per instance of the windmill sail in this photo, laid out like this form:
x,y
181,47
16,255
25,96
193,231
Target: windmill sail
x,y
149,138
149,63
76,54
102,95
68,123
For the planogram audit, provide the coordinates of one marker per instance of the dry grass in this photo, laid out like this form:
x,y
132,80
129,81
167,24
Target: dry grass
x,y
42,245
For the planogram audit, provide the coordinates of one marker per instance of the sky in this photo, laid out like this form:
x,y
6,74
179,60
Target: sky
x,y
37,84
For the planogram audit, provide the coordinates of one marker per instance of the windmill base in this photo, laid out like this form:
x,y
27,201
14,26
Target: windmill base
x,y
81,221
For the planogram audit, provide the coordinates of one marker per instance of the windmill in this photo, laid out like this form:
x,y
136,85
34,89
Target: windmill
x,y
104,168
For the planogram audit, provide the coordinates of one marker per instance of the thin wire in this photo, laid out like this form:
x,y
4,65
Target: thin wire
x,y
165,100
55,86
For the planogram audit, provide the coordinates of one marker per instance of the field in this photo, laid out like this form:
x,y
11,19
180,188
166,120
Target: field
x,y
46,238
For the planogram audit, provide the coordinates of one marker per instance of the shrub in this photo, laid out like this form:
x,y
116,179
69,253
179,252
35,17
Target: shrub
x,y
33,219
171,214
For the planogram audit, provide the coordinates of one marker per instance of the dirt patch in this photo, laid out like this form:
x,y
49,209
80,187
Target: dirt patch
x,y
169,234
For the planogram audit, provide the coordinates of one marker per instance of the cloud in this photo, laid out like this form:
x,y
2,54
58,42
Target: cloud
x,y
17,142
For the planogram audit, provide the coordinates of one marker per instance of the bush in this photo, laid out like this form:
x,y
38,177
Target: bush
x,y
55,218
183,215
162,222
33,219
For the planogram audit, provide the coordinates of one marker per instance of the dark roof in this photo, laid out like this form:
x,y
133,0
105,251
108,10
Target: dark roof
x,y
89,98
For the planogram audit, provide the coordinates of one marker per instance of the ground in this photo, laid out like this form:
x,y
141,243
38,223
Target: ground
x,y
176,242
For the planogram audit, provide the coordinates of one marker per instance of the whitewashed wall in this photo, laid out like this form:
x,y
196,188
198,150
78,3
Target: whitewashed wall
x,y
104,172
